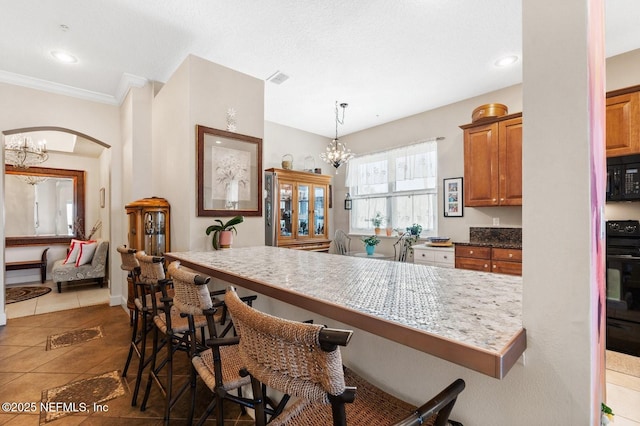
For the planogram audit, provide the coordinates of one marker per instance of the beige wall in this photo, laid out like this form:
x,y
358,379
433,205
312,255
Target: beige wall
x,y
22,108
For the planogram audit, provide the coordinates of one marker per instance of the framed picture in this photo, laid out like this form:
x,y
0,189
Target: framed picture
x,y
453,200
229,173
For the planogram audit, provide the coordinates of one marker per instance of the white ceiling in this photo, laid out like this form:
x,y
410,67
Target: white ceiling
x,y
388,59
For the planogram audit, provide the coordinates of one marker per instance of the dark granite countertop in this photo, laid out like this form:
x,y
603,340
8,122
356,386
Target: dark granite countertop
x,y
505,245
494,237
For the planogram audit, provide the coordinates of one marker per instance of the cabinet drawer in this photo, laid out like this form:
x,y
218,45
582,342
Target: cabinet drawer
x,y
511,268
423,256
510,255
473,264
444,257
473,251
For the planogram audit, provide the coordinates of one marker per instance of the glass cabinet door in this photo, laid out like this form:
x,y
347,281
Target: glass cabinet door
x,y
303,210
286,207
318,211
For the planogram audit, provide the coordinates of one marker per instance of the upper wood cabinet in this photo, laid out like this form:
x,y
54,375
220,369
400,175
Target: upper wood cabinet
x,y
493,162
623,122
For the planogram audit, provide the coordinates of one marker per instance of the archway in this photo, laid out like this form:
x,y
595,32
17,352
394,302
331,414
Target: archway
x,y
87,154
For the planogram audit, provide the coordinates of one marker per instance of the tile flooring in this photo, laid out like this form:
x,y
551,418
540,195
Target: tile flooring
x,y
72,296
26,368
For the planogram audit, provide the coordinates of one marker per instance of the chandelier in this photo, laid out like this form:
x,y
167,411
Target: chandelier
x,y
32,179
21,152
337,152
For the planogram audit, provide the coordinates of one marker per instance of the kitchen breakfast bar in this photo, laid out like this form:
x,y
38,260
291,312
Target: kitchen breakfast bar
x,y
473,319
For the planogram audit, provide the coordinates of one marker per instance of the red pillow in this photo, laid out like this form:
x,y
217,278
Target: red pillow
x,y
72,253
75,249
87,249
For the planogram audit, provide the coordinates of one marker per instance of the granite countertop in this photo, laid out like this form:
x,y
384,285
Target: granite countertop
x,y
471,318
494,237
505,245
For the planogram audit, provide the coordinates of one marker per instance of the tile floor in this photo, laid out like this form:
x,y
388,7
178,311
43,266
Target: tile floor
x,y
72,296
26,368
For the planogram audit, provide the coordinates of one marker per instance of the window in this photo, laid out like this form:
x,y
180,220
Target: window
x,y
399,183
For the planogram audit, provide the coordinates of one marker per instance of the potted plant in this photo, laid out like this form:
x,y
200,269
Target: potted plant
x,y
223,232
370,244
415,229
377,221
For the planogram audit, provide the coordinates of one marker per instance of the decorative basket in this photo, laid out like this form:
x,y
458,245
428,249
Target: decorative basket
x,y
287,162
489,111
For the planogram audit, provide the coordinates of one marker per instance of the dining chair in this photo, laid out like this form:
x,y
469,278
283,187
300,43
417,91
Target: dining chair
x,y
342,242
401,247
303,360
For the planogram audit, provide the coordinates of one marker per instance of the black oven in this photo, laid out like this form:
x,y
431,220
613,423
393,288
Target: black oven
x,y
623,286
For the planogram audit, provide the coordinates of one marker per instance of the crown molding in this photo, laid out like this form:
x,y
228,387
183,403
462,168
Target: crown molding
x,y
126,83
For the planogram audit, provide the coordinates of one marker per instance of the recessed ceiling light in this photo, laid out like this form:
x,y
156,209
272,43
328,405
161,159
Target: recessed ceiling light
x,y
64,57
506,61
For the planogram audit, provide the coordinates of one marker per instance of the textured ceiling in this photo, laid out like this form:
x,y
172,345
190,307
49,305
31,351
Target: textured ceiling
x,y
388,59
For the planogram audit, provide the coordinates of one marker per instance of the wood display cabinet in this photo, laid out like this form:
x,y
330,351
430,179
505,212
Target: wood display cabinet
x,y
149,229
300,208
623,122
493,162
489,259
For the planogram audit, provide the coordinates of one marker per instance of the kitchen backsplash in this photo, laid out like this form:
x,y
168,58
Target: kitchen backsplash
x,y
495,235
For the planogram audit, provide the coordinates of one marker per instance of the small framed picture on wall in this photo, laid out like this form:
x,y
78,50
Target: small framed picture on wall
x,y
453,200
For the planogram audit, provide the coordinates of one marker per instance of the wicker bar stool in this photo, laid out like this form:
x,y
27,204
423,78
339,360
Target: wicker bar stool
x,y
172,330
130,264
150,270
303,360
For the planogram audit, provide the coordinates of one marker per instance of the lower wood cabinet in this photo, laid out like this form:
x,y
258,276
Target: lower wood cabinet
x,y
489,259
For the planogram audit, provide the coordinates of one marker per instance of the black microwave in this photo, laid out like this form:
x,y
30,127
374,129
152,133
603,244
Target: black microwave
x,y
623,178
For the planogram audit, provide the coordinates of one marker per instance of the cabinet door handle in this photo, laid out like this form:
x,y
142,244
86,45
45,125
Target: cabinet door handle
x,y
422,254
486,266
494,200
494,266
501,199
470,251
445,256
510,254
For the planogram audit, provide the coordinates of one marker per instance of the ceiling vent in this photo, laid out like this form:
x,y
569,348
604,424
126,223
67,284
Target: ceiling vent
x,y
278,77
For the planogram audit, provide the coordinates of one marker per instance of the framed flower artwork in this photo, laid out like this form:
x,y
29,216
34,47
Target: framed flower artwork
x,y
229,173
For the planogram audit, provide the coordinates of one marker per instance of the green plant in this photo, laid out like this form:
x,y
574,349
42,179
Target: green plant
x,y
377,220
607,413
217,229
415,229
371,241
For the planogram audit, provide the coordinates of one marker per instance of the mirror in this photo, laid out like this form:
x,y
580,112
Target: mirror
x,y
42,205
229,169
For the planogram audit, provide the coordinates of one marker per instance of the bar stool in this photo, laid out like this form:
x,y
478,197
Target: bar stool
x,y
304,361
177,321
130,264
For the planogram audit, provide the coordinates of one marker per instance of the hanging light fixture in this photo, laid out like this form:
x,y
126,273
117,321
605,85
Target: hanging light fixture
x,y
32,179
21,152
337,152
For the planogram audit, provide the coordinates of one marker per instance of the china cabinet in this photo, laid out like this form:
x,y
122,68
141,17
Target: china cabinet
x,y
296,209
148,220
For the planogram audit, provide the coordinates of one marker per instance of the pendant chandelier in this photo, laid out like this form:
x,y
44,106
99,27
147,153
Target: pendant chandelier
x,y
21,151
337,152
